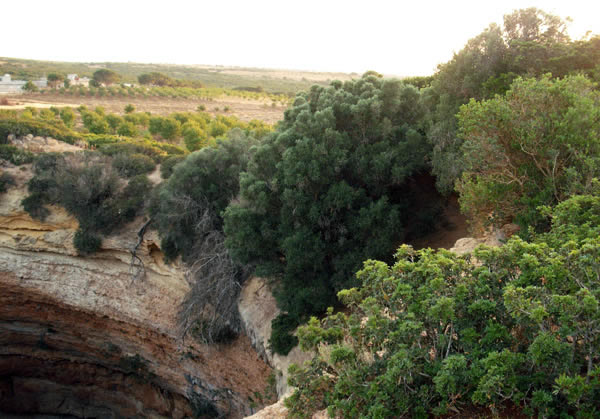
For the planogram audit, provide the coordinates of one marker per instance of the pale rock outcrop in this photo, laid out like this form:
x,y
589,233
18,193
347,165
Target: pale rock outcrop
x,y
82,336
493,238
258,308
42,144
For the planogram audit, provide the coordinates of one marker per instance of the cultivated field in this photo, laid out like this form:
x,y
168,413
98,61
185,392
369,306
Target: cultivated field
x,y
244,109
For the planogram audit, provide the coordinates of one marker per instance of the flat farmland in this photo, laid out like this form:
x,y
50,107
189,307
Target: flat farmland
x,y
244,109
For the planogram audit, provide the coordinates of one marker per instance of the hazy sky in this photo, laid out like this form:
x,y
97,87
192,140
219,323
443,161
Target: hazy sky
x,y
392,37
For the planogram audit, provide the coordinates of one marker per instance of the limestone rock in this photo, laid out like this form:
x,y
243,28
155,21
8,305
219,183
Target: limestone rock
x,y
82,336
492,238
258,308
42,144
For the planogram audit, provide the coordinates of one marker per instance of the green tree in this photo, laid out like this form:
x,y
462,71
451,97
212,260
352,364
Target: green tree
x,y
531,42
193,136
128,129
170,128
206,180
54,79
156,79
95,123
327,189
68,116
30,87
536,145
105,77
113,121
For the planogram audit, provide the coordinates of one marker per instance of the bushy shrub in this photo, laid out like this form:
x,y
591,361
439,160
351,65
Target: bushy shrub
x,y
129,165
536,145
47,114
282,341
155,125
6,181
141,118
170,128
127,129
436,333
86,242
131,202
329,189
133,147
114,121
22,127
167,166
16,156
206,180
87,186
95,123
129,108
193,136
68,116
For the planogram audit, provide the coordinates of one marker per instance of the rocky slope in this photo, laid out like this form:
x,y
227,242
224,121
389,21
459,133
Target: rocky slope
x,y
82,337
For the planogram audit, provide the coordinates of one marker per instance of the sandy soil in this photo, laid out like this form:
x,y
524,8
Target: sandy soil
x,y
245,110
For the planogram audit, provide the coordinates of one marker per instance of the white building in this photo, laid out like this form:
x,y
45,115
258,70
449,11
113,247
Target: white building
x,y
78,81
8,85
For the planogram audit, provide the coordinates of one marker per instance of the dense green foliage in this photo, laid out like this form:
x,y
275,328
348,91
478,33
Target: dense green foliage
x,y
6,181
129,165
206,181
54,79
327,189
85,185
167,166
536,145
105,76
186,210
24,125
157,79
436,332
16,156
530,43
511,123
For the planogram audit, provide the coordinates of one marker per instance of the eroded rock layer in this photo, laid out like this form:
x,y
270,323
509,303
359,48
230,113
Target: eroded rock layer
x,y
97,336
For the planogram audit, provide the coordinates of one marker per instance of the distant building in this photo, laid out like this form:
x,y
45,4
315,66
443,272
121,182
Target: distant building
x,y
8,85
78,81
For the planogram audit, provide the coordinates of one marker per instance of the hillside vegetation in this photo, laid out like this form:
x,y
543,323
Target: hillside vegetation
x,y
271,81
511,125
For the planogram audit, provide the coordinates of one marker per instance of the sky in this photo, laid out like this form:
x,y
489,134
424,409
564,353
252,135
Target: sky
x,y
394,37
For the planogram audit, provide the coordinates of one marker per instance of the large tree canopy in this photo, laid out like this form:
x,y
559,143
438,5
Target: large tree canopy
x,y
530,43
329,188
106,76
537,145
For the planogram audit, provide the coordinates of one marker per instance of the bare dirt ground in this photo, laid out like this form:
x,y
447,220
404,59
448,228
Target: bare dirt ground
x,y
454,226
245,110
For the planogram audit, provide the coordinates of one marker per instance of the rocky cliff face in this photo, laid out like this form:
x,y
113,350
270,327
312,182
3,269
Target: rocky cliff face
x,y
258,308
81,337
